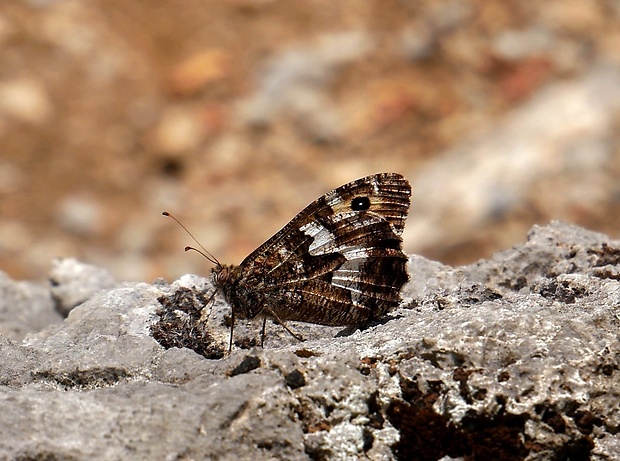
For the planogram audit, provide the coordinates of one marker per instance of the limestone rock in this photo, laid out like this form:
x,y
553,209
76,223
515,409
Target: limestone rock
x,y
515,357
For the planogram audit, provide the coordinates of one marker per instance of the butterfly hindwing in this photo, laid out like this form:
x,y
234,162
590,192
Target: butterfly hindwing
x,y
338,262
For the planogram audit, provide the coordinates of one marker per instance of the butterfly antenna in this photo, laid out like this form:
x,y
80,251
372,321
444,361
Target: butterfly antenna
x,y
204,252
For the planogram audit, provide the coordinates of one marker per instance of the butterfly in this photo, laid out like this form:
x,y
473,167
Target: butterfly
x,y
339,262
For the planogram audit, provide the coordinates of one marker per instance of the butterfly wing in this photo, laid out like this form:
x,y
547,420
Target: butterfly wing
x,y
338,262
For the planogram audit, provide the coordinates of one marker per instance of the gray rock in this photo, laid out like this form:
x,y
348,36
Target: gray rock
x,y
73,282
24,308
516,357
295,81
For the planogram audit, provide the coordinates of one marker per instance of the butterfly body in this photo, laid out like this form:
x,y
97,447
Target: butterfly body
x,y
338,262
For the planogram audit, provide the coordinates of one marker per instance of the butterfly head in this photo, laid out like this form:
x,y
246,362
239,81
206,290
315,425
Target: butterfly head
x,y
224,275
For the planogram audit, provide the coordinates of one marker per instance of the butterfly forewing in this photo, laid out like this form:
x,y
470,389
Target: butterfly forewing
x,y
338,262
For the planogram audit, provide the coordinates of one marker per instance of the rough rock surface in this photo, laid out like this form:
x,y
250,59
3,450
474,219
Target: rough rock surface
x,y
74,282
516,357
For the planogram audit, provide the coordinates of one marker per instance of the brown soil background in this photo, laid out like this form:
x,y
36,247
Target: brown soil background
x,y
234,115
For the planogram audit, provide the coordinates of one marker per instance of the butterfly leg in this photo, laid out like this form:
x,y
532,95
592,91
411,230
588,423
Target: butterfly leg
x,y
232,327
275,316
262,332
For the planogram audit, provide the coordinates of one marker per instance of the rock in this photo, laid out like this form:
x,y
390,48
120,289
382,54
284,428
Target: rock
x,y
295,81
515,357
179,132
79,215
74,282
26,100
198,71
24,308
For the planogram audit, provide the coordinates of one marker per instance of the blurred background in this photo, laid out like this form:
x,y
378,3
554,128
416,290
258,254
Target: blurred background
x,y
235,115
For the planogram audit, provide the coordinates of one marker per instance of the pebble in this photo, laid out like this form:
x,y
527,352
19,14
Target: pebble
x,y
25,100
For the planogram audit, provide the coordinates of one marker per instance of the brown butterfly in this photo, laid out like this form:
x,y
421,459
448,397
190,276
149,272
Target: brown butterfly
x,y
339,262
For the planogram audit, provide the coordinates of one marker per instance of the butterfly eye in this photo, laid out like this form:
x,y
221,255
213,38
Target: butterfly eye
x,y
360,203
